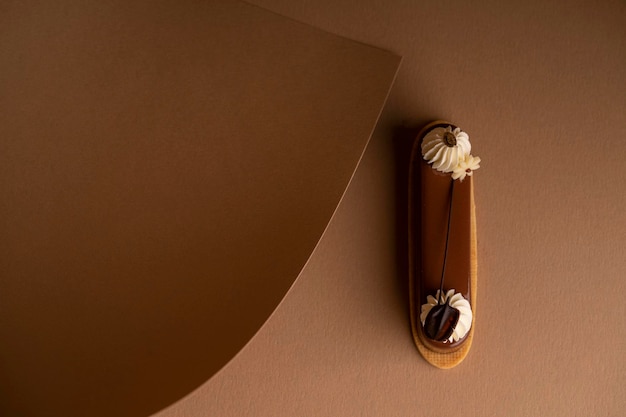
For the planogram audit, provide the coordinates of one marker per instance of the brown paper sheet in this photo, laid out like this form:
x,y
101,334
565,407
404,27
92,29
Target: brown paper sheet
x,y
166,170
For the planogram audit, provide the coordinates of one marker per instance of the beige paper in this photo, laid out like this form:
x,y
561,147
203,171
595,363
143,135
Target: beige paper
x,y
167,169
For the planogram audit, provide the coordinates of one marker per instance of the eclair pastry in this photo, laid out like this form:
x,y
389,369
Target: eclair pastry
x,y
442,244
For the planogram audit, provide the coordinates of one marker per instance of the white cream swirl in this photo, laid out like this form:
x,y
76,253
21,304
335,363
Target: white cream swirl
x,y
445,147
466,167
454,300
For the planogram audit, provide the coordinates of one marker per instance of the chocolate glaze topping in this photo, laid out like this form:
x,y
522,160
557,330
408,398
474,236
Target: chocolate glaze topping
x,y
430,206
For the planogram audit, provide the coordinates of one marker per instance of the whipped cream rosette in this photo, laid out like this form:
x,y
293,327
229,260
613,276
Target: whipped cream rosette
x,y
445,147
462,320
466,166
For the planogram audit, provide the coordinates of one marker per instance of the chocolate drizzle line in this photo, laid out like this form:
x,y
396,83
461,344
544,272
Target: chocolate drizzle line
x,y
445,253
443,318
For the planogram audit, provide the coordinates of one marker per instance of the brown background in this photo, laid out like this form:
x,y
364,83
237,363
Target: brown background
x,y
540,87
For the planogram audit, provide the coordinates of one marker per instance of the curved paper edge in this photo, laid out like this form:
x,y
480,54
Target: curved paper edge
x,y
171,408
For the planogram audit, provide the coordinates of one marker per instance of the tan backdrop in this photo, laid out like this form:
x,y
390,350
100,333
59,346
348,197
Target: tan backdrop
x,y
541,89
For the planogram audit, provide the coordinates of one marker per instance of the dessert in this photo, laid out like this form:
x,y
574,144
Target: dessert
x,y
442,243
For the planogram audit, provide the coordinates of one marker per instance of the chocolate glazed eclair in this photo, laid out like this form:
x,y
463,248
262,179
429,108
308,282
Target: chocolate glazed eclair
x,y
442,244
